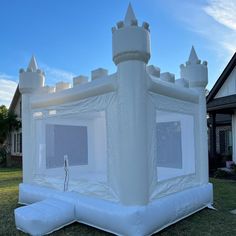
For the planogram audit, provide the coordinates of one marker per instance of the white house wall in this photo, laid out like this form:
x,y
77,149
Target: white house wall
x,y
17,109
229,86
234,137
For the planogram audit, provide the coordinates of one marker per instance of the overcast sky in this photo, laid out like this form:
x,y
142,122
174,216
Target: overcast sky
x,y
71,37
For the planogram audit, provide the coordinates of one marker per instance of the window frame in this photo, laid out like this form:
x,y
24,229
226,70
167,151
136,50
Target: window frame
x,y
16,143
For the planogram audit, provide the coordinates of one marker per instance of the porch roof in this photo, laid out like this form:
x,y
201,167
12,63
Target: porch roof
x,y
222,105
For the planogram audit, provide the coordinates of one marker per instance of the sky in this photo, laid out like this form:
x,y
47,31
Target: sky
x,y
71,37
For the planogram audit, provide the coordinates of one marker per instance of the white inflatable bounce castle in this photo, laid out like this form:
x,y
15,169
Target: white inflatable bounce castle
x,y
125,152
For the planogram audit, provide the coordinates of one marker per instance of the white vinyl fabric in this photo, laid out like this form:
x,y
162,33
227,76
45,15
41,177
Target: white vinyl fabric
x,y
44,217
175,144
78,130
61,208
91,124
174,162
135,141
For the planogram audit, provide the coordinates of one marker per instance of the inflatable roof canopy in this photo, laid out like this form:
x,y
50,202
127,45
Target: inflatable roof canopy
x,y
124,152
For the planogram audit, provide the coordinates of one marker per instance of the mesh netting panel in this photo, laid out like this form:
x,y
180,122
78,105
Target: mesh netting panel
x,y
66,140
169,147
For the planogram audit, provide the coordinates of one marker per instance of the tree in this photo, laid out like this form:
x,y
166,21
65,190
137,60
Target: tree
x,y
3,111
8,123
3,117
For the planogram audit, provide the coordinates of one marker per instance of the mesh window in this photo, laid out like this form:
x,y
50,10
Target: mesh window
x,y
66,140
169,146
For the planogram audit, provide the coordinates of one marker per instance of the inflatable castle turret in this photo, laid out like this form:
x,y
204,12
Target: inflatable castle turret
x,y
196,73
131,52
124,152
130,41
30,81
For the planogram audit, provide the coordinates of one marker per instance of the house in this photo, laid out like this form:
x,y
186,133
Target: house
x,y
15,138
221,107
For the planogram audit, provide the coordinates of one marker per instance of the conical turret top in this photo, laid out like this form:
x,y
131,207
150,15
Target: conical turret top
x,y
32,79
32,64
130,16
193,56
194,71
129,40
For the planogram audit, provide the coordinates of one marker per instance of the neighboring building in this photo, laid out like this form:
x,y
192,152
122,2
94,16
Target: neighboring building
x,y
15,139
221,107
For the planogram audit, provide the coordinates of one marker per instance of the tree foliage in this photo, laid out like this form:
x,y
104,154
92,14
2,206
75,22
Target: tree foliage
x,y
8,123
3,111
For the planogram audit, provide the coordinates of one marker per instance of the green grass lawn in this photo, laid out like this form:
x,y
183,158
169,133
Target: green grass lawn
x,y
205,222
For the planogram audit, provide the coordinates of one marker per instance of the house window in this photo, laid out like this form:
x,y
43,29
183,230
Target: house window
x,y
20,142
17,143
224,140
14,142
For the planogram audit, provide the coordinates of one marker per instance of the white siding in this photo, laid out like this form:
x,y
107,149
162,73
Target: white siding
x,y
17,109
229,86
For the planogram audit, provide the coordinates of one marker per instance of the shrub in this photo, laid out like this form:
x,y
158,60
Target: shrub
x,y
233,167
222,174
3,156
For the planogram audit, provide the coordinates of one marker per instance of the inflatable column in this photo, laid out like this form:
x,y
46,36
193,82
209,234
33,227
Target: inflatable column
x,y
30,80
197,75
131,52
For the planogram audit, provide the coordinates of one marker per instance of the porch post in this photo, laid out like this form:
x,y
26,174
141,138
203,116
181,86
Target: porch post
x,y
213,137
234,137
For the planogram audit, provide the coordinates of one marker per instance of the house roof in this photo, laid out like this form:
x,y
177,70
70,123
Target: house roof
x,y
15,99
224,104
220,119
223,77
